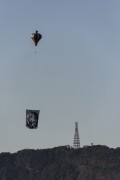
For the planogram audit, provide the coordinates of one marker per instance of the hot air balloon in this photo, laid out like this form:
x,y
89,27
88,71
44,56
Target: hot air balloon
x,y
36,37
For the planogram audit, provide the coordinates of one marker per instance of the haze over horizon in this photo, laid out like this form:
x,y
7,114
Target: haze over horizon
x,y
74,75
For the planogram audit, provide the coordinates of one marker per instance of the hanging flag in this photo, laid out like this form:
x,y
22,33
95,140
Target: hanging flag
x,y
32,117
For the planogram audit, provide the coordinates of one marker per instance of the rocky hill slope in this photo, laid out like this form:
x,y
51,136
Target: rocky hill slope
x,y
62,163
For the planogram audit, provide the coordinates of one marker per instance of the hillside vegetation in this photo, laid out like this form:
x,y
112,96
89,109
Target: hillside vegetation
x,y
62,163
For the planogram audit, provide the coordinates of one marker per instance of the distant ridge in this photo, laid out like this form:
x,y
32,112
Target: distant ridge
x,y
62,163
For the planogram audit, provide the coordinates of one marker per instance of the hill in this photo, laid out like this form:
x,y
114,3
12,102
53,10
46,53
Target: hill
x,y
62,163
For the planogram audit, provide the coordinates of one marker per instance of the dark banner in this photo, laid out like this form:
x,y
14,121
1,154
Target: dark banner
x,y
32,117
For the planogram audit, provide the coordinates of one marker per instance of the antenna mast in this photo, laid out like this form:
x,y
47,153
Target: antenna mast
x,y
76,142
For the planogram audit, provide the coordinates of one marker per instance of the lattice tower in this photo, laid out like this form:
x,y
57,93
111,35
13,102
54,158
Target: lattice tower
x,y
76,142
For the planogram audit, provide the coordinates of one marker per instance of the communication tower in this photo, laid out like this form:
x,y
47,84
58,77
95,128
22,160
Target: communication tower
x,y
76,142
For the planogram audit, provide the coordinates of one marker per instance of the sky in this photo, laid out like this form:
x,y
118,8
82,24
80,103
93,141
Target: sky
x,y
73,76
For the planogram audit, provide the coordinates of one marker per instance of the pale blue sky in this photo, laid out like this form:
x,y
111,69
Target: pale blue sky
x,y
75,75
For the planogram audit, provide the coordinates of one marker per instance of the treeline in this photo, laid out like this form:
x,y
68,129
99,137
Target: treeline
x,y
62,163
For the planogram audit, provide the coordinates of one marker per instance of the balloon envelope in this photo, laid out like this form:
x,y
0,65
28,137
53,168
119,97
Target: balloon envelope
x,y
36,37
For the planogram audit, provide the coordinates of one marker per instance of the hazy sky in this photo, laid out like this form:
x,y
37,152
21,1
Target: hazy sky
x,y
74,76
